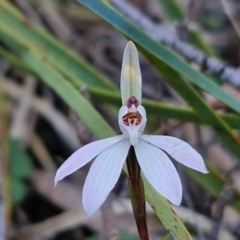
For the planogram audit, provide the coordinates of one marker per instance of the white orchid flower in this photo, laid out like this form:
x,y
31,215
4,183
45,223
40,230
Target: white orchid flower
x,y
152,152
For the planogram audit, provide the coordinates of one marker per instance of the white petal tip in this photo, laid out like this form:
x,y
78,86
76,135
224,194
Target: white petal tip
x,y
177,203
202,169
55,183
89,210
175,200
57,179
89,213
205,171
200,165
130,44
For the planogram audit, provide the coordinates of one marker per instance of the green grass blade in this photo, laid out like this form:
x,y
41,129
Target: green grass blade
x,y
164,212
158,51
72,66
172,9
69,94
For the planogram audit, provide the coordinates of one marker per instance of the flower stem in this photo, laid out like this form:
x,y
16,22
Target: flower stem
x,y
136,190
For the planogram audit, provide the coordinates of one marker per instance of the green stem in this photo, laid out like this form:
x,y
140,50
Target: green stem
x,y
136,190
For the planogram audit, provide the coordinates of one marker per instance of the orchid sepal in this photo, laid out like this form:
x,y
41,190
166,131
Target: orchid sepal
x,y
131,78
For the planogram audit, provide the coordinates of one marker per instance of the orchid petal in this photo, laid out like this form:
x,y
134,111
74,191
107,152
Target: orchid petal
x,y
131,79
179,150
83,155
103,175
159,171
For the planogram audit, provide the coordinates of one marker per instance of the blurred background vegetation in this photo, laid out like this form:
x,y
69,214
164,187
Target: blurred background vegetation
x,y
59,89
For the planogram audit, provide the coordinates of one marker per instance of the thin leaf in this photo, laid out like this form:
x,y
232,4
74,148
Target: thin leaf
x,y
66,61
69,94
172,9
163,210
160,52
20,169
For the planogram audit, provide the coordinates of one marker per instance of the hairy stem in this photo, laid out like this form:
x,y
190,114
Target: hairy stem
x,y
136,190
